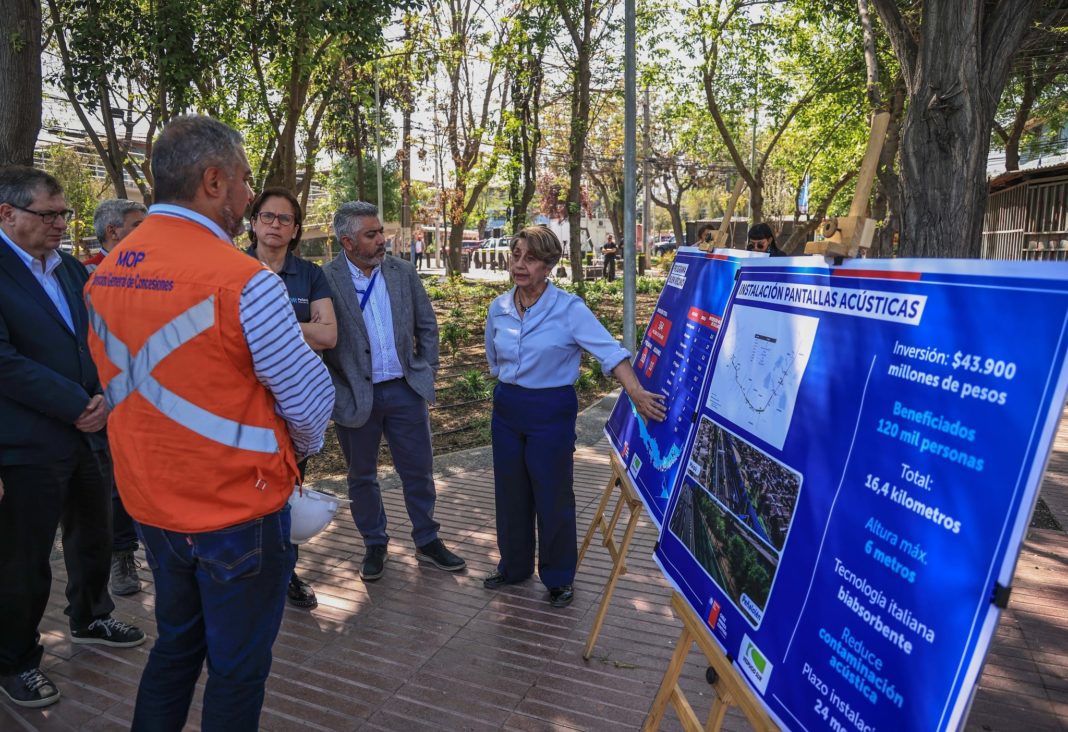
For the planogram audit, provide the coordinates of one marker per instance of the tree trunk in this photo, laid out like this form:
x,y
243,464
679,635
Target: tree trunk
x,y
456,243
406,183
20,80
580,124
955,64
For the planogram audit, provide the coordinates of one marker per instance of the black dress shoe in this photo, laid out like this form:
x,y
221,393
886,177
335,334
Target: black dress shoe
x,y
561,596
494,580
300,593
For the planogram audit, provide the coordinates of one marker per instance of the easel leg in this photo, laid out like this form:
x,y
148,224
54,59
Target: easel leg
x,y
618,569
671,680
598,518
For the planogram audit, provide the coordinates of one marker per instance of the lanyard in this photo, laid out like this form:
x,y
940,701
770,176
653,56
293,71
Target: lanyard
x,y
367,293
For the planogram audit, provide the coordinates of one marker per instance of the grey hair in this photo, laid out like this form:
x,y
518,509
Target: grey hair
x,y
20,184
188,146
112,212
345,218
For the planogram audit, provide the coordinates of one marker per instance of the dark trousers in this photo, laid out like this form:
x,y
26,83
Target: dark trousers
x,y
124,535
533,432
401,415
219,596
72,490
610,267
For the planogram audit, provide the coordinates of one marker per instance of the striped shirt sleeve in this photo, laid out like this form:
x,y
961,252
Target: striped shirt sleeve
x,y
284,363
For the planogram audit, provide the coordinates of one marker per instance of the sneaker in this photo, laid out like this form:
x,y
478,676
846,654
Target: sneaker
x,y
29,689
300,593
436,553
124,579
107,631
373,562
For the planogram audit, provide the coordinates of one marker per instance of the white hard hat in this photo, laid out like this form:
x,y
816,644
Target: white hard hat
x,y
311,511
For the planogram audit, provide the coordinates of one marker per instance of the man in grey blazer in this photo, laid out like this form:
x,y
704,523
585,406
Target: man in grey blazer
x,y
383,370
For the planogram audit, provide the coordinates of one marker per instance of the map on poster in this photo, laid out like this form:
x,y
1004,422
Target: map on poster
x,y
868,451
672,359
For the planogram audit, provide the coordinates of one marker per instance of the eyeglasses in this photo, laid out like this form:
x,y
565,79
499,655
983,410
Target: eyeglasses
x,y
268,217
48,217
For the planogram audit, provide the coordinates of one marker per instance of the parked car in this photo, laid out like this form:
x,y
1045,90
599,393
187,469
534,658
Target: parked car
x,y
470,245
665,245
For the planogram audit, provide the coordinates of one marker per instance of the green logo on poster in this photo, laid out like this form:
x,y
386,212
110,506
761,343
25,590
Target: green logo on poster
x,y
758,660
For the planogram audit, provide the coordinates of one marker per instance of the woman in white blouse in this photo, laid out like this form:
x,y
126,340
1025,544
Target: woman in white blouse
x,y
535,335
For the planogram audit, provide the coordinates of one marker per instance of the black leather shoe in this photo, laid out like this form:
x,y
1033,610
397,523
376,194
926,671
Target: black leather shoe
x,y
300,593
561,596
373,563
494,580
436,553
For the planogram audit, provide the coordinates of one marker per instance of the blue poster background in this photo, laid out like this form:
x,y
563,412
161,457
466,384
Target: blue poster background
x,y
672,359
869,449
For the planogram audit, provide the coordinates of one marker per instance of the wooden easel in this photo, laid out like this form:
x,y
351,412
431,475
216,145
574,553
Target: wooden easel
x,y
728,687
628,498
721,238
848,235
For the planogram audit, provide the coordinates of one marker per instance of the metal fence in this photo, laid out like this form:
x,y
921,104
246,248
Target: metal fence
x,y
1028,221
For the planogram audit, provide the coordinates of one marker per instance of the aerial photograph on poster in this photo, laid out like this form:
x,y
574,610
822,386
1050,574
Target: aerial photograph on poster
x,y
734,513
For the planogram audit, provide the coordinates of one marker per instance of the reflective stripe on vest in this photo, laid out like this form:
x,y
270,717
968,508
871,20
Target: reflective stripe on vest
x,y
135,374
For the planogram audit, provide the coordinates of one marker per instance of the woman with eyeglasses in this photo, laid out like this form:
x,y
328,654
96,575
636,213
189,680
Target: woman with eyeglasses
x,y
275,233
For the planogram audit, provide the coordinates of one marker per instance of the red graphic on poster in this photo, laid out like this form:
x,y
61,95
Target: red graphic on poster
x,y
706,319
713,614
645,355
659,329
652,363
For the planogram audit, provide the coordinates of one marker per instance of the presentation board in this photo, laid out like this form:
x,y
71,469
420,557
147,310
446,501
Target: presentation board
x,y
672,360
851,502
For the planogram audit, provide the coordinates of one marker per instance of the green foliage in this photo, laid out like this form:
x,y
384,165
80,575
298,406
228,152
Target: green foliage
x,y
649,286
453,335
79,188
435,292
342,184
474,384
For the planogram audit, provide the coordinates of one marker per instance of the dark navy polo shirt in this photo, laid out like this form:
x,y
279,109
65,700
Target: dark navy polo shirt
x,y
305,283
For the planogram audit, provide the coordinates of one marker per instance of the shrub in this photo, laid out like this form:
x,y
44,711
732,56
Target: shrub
x,y
453,335
474,384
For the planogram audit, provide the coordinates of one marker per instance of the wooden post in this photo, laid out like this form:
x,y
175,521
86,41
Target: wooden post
x,y
628,498
721,238
846,236
729,688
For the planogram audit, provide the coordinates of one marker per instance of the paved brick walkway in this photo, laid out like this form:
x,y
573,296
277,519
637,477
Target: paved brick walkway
x,y
425,650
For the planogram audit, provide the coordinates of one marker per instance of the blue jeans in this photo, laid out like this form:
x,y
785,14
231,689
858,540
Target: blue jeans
x,y
219,595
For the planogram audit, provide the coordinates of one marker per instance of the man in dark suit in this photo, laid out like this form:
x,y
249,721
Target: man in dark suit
x,y
54,463
383,371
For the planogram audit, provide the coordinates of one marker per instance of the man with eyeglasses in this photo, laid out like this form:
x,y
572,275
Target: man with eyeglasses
x,y
54,465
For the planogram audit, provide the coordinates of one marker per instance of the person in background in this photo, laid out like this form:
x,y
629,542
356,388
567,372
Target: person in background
x,y
534,413
418,253
214,396
704,234
383,369
762,239
54,464
276,229
113,220
609,251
